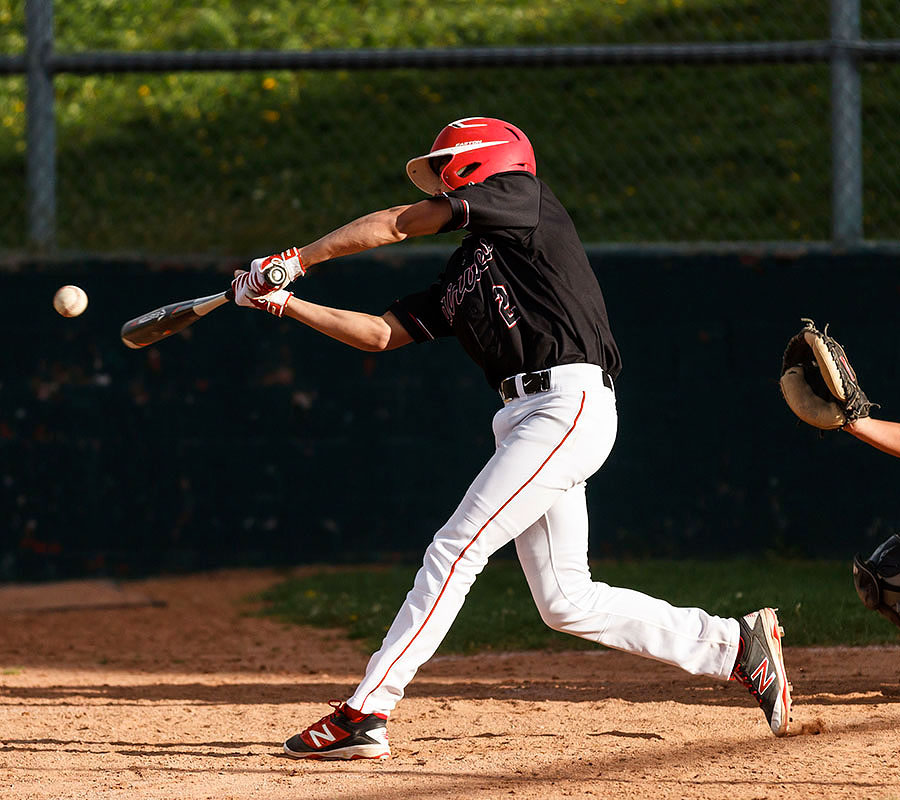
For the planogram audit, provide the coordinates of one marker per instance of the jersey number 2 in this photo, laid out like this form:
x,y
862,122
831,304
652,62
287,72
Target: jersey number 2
x,y
508,312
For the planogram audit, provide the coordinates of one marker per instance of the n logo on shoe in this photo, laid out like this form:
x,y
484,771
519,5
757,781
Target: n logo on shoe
x,y
762,674
317,738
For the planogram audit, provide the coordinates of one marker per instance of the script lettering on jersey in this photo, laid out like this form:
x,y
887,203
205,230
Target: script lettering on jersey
x,y
467,281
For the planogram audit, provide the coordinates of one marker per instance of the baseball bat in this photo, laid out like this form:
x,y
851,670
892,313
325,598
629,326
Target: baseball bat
x,y
166,320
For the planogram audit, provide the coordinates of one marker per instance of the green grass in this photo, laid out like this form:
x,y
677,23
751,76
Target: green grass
x,y
241,163
816,599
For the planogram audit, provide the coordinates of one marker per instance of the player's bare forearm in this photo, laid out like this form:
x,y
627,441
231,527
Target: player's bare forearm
x,y
355,328
387,226
879,433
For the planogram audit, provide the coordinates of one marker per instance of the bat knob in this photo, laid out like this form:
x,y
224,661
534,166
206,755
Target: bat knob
x,y
276,276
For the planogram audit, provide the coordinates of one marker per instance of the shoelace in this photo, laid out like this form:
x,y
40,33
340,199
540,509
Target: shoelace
x,y
740,675
337,705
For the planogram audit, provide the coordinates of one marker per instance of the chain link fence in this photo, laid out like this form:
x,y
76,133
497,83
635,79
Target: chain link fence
x,y
677,145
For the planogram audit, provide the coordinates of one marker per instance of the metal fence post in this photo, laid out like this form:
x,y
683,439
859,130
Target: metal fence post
x,y
846,126
40,131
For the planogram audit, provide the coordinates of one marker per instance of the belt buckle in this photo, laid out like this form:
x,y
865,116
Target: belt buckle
x,y
535,382
532,383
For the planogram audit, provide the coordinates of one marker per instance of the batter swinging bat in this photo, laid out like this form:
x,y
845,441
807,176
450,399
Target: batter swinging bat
x,y
162,322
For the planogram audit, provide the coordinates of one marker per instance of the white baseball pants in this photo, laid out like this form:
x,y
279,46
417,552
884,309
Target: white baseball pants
x,y
533,490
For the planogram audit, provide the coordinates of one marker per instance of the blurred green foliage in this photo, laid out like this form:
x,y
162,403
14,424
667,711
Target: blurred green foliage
x,y
244,163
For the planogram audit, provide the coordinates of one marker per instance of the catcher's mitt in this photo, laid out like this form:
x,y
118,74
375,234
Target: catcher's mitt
x,y
818,382
877,579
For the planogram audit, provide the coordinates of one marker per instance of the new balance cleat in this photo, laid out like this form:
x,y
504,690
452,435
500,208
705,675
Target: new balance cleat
x,y
343,734
760,667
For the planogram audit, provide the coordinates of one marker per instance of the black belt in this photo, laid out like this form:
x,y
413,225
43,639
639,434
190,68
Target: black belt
x,y
534,383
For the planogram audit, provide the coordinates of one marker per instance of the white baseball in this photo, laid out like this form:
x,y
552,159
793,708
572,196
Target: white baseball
x,y
70,301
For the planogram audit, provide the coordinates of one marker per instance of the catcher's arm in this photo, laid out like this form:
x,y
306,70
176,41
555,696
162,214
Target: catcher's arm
x,y
879,433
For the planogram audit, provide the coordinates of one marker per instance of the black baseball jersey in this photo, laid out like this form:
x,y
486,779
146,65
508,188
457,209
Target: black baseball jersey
x,y
519,292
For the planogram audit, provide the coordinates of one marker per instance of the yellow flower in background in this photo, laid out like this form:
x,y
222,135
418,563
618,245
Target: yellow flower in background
x,y
271,116
143,90
269,83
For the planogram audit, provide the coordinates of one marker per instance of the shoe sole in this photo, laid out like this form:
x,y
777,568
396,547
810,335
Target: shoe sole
x,y
774,633
353,753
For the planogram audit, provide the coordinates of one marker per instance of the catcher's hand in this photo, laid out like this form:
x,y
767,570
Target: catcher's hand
x,y
818,382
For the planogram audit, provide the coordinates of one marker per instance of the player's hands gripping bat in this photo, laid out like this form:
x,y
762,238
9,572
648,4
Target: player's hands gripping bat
x,y
252,291
162,322
289,259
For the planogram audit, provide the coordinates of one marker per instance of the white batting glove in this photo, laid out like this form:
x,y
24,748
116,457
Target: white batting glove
x,y
246,294
289,259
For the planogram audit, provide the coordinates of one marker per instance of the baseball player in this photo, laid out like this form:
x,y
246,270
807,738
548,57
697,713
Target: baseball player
x,y
520,296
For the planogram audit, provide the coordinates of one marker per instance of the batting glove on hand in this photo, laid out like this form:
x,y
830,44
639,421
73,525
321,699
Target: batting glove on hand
x,y
289,259
247,294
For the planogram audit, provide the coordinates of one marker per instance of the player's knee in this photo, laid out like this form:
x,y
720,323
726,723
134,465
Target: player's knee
x,y
445,556
559,614
571,610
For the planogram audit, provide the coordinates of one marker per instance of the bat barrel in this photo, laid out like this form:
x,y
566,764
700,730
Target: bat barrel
x,y
162,322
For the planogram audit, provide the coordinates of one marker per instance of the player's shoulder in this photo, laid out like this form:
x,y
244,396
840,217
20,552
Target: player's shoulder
x,y
520,180
507,200
500,182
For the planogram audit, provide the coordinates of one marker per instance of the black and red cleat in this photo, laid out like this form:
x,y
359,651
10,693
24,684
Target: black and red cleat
x,y
343,734
760,667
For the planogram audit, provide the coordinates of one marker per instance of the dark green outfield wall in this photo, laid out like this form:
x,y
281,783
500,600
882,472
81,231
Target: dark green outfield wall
x,y
255,441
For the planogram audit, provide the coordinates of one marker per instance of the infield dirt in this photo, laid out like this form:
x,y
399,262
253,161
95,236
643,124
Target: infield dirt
x,y
192,697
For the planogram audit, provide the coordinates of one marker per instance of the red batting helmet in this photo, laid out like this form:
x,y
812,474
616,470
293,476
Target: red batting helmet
x,y
468,151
